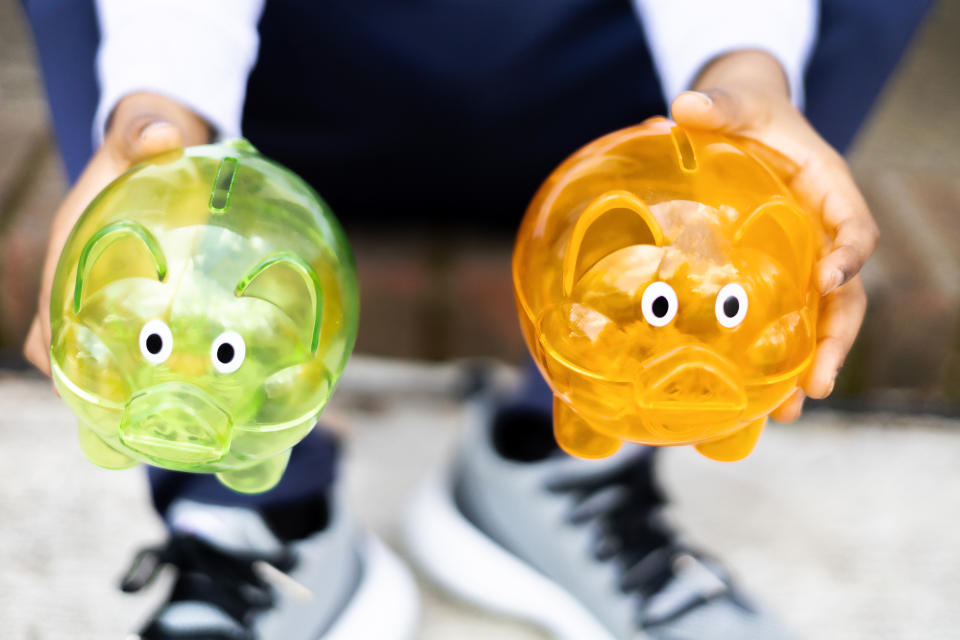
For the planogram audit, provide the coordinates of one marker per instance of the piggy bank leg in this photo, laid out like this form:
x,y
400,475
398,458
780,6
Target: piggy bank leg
x,y
257,478
578,438
100,453
733,447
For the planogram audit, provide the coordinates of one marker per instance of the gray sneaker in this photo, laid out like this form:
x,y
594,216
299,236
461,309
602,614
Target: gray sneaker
x,y
578,547
236,580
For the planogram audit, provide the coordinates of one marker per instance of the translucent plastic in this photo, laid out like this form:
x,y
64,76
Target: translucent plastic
x,y
203,308
664,285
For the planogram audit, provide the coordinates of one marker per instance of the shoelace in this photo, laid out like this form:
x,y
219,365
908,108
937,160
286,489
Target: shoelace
x,y
627,504
232,582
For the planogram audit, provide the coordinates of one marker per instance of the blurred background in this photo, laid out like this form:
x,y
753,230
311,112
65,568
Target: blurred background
x,y
846,521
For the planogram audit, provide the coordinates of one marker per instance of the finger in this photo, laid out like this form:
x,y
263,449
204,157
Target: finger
x,y
825,183
716,110
156,137
34,349
791,408
855,240
840,322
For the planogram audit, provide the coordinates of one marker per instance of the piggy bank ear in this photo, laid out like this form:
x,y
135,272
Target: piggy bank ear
x,y
783,231
117,251
581,338
615,220
288,282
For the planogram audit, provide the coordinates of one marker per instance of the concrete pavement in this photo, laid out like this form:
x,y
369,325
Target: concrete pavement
x,y
843,523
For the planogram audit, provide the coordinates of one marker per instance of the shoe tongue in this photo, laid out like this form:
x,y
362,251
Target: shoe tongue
x,y
233,529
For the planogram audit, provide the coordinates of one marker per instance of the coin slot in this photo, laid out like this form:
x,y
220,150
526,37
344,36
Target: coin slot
x,y
223,185
688,159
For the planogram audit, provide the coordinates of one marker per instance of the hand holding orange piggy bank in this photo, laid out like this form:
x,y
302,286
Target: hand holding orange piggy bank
x,y
664,281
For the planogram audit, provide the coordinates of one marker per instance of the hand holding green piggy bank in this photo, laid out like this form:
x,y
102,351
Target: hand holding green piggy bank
x,y
202,311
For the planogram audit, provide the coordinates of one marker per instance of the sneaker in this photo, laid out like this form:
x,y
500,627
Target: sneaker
x,y
578,547
246,576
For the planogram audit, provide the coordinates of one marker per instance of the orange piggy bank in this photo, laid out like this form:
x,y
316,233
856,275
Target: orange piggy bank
x,y
663,279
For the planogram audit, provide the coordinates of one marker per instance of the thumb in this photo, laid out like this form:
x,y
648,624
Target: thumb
x,y
715,110
147,137
145,124
157,137
124,146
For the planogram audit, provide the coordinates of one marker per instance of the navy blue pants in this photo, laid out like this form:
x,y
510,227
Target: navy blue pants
x,y
447,113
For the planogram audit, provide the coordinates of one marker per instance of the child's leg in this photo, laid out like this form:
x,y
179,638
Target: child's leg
x,y
310,473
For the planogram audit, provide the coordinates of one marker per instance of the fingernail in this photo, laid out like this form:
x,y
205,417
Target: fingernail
x,y
834,281
706,99
153,126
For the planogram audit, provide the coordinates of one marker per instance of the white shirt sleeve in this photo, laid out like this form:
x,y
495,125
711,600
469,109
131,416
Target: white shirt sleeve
x,y
684,35
197,52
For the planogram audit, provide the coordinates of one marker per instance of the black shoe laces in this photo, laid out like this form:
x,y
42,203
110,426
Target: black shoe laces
x,y
626,505
229,581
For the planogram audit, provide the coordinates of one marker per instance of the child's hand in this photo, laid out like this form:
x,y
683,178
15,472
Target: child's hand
x,y
745,94
142,125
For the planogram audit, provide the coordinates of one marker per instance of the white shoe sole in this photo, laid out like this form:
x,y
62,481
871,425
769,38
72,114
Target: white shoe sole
x,y
461,559
386,604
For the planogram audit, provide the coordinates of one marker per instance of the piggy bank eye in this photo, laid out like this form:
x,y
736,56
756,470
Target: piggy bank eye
x,y
228,351
731,307
156,341
659,304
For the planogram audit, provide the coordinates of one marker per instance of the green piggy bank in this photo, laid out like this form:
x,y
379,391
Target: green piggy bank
x,y
203,308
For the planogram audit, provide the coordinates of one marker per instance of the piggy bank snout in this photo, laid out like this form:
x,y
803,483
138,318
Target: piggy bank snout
x,y
691,378
176,423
